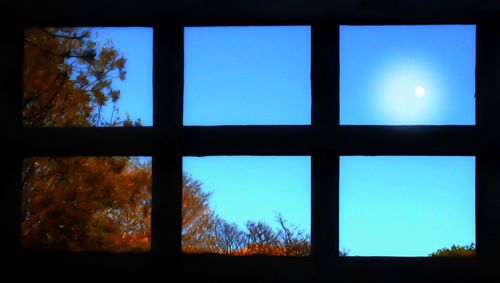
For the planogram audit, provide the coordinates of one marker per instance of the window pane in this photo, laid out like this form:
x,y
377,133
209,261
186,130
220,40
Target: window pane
x,y
407,205
96,204
87,77
244,205
247,75
407,75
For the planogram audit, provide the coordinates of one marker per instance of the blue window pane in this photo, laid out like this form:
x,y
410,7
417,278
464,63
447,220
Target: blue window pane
x,y
237,190
406,205
88,77
407,75
247,76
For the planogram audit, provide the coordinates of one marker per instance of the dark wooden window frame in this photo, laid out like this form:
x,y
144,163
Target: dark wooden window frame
x,y
168,140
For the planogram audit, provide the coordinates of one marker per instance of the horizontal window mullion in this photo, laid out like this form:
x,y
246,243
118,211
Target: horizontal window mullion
x,y
304,140
412,140
91,141
247,140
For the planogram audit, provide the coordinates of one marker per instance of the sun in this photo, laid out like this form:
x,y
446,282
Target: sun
x,y
420,91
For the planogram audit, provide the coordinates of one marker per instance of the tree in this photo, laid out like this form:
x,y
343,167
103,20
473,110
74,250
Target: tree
x,y
228,238
86,204
294,242
198,220
456,251
67,79
79,203
104,203
344,252
203,231
261,239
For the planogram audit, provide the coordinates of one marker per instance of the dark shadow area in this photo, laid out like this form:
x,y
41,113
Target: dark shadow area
x,y
168,141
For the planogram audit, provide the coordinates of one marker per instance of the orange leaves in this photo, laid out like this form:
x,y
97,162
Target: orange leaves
x,y
86,204
66,75
115,95
100,98
120,63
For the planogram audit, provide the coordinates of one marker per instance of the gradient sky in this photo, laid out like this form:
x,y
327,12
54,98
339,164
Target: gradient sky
x,y
247,75
389,206
380,67
255,187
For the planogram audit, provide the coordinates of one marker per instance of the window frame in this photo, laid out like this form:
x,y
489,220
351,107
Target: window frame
x,y
167,141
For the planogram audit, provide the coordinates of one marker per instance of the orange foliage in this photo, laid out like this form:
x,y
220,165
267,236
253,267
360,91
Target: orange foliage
x,y
67,79
86,204
79,203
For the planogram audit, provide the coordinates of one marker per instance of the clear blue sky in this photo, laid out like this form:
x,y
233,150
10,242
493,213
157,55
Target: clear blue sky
x,y
136,44
247,75
389,206
381,66
255,187
406,205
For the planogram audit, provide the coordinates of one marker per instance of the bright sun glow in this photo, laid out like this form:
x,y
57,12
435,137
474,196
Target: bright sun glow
x,y
420,91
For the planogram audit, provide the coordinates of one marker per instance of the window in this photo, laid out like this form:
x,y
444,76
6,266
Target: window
x,y
406,205
325,138
86,204
84,77
247,76
407,75
250,205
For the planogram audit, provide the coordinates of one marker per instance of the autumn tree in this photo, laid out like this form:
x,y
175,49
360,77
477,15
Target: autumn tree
x,y
294,242
261,239
198,219
203,231
86,204
228,238
79,203
67,79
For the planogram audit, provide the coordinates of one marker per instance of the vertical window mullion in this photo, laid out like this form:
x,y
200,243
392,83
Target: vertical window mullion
x,y
325,76
11,73
325,165
488,164
167,160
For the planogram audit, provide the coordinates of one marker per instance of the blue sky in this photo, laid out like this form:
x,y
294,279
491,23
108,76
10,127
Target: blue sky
x,y
136,44
261,75
255,187
247,75
389,206
381,67
406,205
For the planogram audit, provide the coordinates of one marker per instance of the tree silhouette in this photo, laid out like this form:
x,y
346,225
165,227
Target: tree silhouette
x,y
228,238
456,251
203,231
294,242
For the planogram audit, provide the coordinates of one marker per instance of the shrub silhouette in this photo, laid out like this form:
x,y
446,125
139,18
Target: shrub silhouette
x,y
456,251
